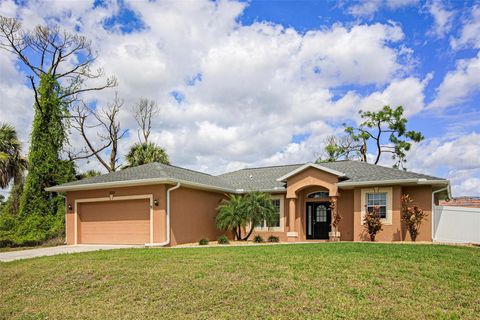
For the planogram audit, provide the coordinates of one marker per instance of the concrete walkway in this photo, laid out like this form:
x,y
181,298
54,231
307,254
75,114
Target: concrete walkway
x,y
51,251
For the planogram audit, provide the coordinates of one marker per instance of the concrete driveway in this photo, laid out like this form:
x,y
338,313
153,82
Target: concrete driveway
x,y
51,251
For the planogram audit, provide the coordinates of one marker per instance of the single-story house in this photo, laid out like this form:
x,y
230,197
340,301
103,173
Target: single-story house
x,y
158,204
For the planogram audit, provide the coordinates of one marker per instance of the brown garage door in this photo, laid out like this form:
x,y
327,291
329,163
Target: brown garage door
x,y
114,222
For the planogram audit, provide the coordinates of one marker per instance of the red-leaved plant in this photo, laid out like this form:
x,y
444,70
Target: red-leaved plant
x,y
372,222
412,215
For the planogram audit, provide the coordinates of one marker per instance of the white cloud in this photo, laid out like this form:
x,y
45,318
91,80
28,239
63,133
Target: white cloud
x,y
442,18
260,84
455,158
368,8
470,34
459,84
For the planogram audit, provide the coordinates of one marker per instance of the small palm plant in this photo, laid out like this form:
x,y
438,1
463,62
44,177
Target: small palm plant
x,y
237,212
229,216
258,207
372,222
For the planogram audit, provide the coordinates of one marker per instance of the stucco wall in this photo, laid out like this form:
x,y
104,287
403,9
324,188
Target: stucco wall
x,y
158,192
422,195
396,231
193,215
345,209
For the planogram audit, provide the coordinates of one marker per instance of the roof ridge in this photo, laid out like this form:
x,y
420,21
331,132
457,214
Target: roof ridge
x,y
178,167
253,168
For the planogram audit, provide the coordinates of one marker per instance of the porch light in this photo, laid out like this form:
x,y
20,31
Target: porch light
x,y
155,202
69,207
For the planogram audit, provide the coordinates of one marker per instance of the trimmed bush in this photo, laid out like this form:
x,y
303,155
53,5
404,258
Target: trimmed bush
x,y
203,242
223,240
273,238
258,239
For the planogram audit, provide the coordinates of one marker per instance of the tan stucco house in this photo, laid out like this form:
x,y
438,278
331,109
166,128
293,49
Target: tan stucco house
x,y
157,204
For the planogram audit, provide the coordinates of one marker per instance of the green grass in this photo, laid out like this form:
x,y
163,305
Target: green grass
x,y
320,281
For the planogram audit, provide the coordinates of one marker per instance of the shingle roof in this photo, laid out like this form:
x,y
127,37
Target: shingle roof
x,y
263,178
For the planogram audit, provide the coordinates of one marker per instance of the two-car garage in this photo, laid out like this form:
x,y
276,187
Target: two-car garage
x,y
103,221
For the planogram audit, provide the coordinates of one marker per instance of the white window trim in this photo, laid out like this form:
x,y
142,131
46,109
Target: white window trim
x,y
389,192
282,216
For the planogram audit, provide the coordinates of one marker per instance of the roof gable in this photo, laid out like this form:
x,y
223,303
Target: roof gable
x,y
310,165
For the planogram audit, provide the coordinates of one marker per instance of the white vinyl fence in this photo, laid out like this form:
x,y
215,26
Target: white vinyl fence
x,y
456,224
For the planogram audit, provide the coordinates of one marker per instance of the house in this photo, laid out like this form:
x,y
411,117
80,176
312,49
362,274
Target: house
x,y
469,202
157,204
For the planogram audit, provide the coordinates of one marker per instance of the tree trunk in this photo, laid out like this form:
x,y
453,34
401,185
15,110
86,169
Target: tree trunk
x,y
249,233
239,234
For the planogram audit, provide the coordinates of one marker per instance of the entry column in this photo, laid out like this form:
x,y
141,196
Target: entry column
x,y
292,235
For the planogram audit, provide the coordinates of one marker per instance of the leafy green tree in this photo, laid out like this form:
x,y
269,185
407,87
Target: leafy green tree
x,y
42,212
12,164
237,212
148,152
51,57
387,129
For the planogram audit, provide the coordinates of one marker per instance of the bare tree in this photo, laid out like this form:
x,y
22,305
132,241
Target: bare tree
x,y
340,148
144,111
106,120
65,56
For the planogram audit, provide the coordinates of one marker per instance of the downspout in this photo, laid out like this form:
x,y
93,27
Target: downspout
x,y
447,188
167,228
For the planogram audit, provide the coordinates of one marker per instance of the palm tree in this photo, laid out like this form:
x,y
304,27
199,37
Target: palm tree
x,y
258,207
229,216
237,212
12,164
148,152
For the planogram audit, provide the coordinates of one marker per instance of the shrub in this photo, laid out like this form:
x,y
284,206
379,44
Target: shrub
x,y
223,240
203,242
258,239
372,222
273,238
412,215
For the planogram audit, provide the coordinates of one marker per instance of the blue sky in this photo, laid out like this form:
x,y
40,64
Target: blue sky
x,y
265,82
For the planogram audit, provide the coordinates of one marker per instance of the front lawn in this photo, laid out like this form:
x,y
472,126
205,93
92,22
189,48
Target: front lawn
x,y
322,281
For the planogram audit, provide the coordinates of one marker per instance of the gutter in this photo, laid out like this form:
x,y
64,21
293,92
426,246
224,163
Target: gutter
x,y
395,181
166,242
449,193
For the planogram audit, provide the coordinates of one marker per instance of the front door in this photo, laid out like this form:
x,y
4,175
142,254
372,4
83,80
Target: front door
x,y
318,220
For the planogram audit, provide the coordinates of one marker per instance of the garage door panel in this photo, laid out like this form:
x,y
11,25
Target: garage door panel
x,y
115,222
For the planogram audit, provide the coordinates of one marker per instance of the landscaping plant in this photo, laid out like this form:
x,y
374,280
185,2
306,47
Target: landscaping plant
x,y
237,212
223,240
258,239
203,242
273,238
372,222
412,215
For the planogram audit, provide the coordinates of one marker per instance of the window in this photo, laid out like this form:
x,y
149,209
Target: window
x,y
321,214
316,195
380,200
277,222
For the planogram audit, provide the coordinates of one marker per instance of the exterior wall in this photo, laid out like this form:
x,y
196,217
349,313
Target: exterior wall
x,y
396,231
346,211
193,215
158,192
422,195
311,177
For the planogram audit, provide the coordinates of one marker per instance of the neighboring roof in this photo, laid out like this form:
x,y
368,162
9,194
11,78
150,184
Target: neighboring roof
x,y
352,173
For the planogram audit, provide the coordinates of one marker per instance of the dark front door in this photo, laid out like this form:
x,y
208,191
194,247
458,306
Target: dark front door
x,y
318,220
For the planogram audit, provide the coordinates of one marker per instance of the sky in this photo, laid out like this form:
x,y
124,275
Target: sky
x,y
244,84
